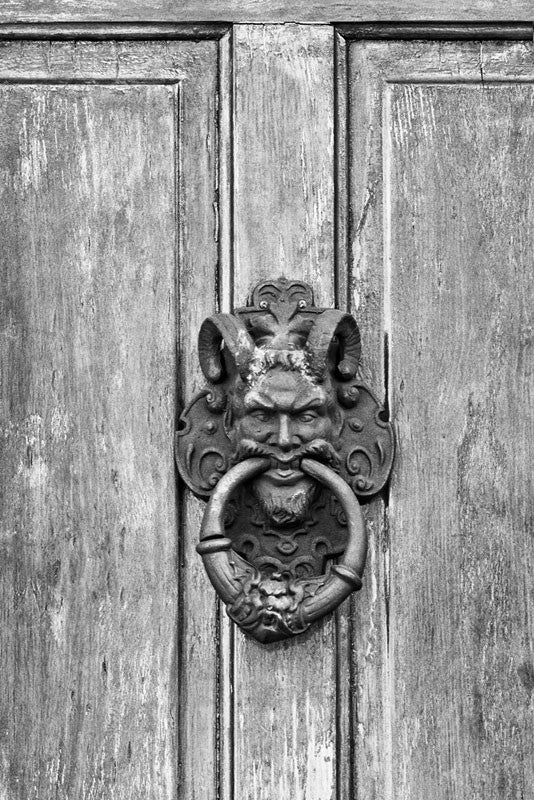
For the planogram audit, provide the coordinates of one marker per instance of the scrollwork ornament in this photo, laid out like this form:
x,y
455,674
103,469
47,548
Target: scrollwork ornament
x,y
282,444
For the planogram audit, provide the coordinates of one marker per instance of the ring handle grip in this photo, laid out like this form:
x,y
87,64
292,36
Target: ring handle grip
x,y
271,609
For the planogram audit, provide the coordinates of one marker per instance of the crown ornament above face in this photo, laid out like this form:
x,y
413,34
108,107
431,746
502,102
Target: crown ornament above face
x,y
283,441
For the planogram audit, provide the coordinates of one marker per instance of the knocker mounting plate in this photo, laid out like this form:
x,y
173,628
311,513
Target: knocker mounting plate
x,y
283,442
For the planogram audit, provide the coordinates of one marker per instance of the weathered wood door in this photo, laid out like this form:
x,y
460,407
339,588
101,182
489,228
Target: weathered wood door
x,y
152,173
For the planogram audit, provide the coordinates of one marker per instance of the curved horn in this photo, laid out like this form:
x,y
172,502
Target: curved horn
x,y
213,331
330,323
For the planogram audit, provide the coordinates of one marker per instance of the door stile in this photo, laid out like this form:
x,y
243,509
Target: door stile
x,y
285,702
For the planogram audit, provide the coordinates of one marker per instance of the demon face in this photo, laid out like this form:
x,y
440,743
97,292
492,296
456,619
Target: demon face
x,y
284,415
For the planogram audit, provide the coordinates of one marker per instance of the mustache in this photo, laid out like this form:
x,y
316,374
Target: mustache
x,y
318,449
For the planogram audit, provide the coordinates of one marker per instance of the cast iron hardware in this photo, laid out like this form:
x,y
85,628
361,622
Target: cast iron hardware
x,y
283,443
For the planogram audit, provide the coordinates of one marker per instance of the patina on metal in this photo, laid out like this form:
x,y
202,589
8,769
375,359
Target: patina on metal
x,y
283,443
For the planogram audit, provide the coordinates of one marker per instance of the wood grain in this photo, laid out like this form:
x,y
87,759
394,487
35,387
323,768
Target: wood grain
x,y
371,700
198,224
446,132
265,11
89,538
121,679
285,694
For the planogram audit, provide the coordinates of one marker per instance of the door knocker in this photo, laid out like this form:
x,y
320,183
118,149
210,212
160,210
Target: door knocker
x,y
283,442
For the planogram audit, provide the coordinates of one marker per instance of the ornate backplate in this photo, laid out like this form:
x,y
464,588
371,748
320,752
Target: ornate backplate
x,y
283,396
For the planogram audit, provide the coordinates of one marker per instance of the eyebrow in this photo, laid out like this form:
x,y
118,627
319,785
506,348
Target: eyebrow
x,y
259,401
304,405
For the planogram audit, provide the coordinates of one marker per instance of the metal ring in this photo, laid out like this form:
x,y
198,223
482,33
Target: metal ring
x,y
228,571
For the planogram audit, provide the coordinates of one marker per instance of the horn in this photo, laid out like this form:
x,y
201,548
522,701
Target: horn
x,y
330,323
213,332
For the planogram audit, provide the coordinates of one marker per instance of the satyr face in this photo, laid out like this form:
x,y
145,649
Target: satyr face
x,y
285,415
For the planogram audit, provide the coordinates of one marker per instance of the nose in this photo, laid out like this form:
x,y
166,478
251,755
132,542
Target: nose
x,y
283,439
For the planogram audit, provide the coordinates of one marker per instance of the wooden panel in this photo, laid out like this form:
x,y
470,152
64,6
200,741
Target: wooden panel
x,y
285,694
319,11
447,132
89,584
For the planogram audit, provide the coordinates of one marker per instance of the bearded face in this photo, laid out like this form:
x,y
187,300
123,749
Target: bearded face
x,y
285,416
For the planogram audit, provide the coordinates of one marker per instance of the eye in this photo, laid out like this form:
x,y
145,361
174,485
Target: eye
x,y
260,415
307,416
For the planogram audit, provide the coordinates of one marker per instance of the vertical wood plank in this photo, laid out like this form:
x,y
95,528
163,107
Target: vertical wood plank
x,y
95,177
448,145
284,154
285,694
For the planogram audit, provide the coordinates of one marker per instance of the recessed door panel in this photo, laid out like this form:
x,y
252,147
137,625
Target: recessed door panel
x,y
441,134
